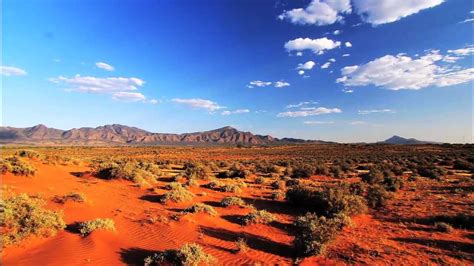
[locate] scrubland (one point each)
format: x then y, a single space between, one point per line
301 204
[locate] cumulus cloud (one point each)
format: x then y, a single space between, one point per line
368 112
318 12
326 65
199 103
375 12
379 12
307 66
281 84
259 83
301 104
128 96
336 32
120 88
11 71
404 72
99 85
301 72
238 111
104 66
317 46
348 44
318 122
309 112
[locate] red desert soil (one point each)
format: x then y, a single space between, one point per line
393 236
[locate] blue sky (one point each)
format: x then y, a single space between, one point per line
339 70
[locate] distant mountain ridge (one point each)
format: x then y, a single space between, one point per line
400 140
116 134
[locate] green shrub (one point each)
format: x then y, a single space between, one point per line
327 201
16 166
71 196
259 180
258 217
22 216
443 227
315 232
377 196
188 254
302 172
374 176
28 154
179 194
241 246
201 208
86 228
232 201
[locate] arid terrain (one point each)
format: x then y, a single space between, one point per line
310 204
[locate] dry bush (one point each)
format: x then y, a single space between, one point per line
315 232
189 254
71 196
201 208
178 194
16 166
22 216
232 201
377 196
28 154
241 246
258 217
86 228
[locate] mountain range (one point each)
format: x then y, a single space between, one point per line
124 135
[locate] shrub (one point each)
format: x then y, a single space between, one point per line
278 185
71 196
197 171
316 232
16 166
357 188
377 197
293 182
22 216
188 254
443 227
302 172
278 195
259 180
235 188
326 201
374 176
201 208
393 183
241 246
86 228
174 185
179 194
28 154
258 217
192 183
232 201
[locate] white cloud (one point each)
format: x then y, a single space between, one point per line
357 123
332 60
99 85
404 72
318 46
311 112
276 84
238 111
154 101
336 32
326 65
104 66
368 112
318 122
318 12
301 72
281 84
348 44
120 88
128 96
346 55
347 91
307 66
301 104
199 103
11 71
468 50
467 20
259 83
379 12
299 54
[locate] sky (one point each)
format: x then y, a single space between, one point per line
336 70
